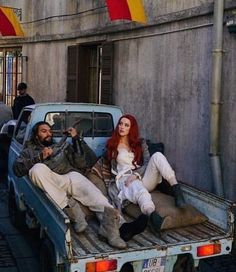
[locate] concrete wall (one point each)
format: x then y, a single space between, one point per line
170 96
162 72
46 70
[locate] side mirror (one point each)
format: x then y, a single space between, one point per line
10 130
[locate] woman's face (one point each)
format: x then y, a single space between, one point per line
124 127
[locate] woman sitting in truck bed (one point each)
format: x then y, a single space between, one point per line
136 174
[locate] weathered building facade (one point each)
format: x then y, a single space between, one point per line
160 72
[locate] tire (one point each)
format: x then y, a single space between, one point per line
185 263
127 267
48 258
17 217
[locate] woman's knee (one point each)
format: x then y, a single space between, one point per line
145 202
158 156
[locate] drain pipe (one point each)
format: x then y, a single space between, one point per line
217 55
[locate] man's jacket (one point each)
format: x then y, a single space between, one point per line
65 158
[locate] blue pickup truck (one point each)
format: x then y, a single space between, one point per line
63 250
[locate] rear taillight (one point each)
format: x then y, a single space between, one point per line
101 266
208 250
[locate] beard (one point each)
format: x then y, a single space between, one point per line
47 142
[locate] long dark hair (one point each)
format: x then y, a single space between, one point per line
35 130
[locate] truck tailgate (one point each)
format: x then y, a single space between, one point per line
88 244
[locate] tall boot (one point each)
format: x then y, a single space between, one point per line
178 195
129 230
76 215
156 221
109 227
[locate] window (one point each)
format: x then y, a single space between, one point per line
88 124
21 126
12 65
89 73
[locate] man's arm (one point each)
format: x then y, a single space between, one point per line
82 151
25 162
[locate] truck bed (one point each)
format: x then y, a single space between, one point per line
89 243
219 229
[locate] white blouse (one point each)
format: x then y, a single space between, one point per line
124 161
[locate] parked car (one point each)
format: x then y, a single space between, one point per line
5 141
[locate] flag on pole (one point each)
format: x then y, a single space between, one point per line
9 23
132 10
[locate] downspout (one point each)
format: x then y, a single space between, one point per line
217 55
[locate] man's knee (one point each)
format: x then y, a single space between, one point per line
38 169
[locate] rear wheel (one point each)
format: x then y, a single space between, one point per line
185 263
48 257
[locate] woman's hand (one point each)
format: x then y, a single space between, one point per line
130 179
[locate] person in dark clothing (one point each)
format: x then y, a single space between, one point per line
22 100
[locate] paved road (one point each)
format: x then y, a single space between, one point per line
18 251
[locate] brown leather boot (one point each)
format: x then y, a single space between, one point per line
109 227
76 215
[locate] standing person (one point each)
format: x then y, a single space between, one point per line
22 100
57 169
136 173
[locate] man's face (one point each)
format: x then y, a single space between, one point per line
22 92
44 135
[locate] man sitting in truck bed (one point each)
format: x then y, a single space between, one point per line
57 168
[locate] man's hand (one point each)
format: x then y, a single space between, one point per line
72 132
46 152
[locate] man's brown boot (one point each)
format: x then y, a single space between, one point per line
76 215
109 227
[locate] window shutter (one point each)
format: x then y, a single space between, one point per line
83 73
72 74
107 74
77 74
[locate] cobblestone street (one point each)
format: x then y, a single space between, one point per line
18 251
7 261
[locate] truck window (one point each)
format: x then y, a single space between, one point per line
21 126
89 124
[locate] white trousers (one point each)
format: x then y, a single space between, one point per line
60 187
158 167
138 191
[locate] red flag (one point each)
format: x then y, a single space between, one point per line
126 9
9 24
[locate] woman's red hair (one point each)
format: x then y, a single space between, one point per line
134 140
